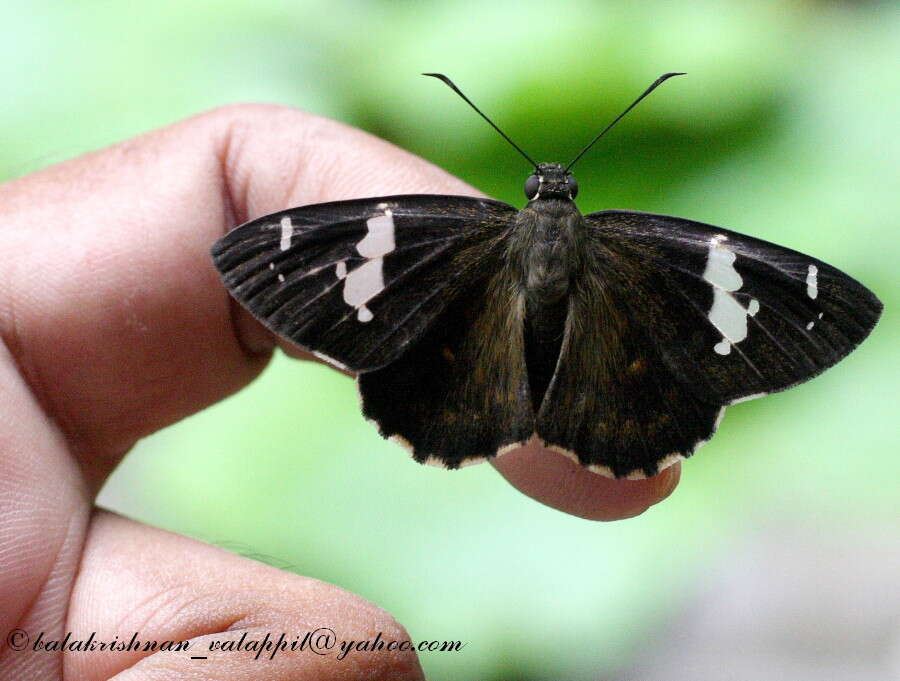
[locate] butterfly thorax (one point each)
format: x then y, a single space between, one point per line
545 242
544 248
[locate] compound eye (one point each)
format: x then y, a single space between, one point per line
573 186
532 186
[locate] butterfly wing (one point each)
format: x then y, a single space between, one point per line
357 282
460 394
743 317
671 321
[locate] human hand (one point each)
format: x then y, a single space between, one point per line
114 325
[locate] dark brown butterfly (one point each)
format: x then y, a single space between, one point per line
617 338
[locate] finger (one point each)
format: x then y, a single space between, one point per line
112 306
559 482
43 517
161 586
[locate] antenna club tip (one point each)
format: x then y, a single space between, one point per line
673 73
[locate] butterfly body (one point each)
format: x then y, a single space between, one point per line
616 338
545 249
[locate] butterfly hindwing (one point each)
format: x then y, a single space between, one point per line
460 394
733 317
613 404
358 281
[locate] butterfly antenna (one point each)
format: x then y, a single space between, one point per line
659 81
453 87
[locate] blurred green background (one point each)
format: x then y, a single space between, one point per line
785 128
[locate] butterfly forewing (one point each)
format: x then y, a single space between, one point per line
358 281
733 317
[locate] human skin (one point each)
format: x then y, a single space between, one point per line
114 324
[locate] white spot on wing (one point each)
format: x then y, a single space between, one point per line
726 313
367 280
812 281
281 278
811 324
719 266
363 284
723 347
380 239
287 231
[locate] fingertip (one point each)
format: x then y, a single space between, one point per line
255 339
666 481
563 484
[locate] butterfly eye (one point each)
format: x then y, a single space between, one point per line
532 185
573 186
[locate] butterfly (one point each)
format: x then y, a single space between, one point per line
616 338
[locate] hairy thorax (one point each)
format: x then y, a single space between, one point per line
545 247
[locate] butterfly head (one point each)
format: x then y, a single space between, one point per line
550 180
